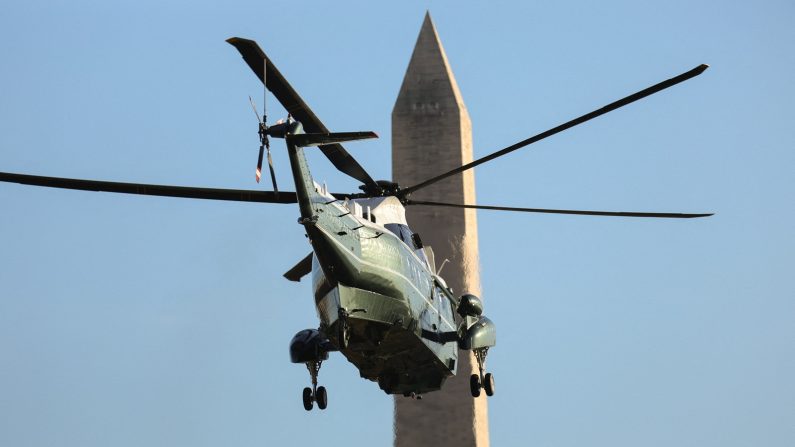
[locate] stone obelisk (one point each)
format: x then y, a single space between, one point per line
432 134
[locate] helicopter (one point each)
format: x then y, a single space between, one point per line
379 296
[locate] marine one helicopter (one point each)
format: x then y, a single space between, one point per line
378 295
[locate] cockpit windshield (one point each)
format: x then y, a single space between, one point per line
401 231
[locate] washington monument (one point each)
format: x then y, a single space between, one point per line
431 133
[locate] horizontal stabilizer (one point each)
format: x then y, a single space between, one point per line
303 268
319 139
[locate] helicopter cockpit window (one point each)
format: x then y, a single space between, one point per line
405 234
401 231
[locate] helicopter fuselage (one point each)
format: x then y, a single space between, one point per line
376 296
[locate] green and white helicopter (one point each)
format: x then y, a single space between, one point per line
378 295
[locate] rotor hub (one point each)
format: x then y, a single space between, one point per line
381 188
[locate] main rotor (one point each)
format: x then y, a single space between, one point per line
276 83
299 114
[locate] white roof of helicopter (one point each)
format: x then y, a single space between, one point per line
385 209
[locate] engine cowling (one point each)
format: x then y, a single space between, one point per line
469 306
482 334
309 345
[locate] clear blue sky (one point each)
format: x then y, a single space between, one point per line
131 321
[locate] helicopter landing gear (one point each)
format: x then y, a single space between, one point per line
311 347
316 393
474 385
488 384
478 381
308 399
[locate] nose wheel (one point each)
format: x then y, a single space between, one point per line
316 394
481 381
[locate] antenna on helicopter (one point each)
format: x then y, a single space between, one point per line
439 270
263 129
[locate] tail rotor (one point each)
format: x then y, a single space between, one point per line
264 143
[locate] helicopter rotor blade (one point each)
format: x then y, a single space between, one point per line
405 192
554 211
188 192
254 106
265 91
259 162
270 167
297 108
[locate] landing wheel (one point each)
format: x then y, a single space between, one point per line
321 397
488 384
478 381
308 399
474 385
